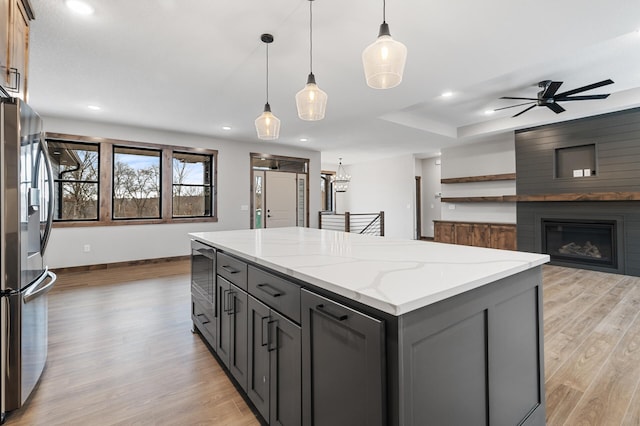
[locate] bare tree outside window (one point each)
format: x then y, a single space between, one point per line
136 183
192 184
76 180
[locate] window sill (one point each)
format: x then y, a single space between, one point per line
124 222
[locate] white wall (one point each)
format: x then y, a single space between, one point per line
487 158
134 242
387 185
431 205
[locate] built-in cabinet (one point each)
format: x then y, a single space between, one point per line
492 235
14 43
253 320
343 372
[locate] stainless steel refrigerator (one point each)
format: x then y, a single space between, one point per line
26 189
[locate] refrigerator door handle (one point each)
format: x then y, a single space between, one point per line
47 162
37 289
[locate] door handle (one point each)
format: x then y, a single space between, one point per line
322 309
36 291
270 290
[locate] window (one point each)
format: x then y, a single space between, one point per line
192 181
102 182
136 183
76 180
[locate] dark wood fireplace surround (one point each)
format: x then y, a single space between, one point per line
585 170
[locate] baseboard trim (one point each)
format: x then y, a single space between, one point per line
86 268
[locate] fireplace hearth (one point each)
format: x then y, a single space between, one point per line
580 242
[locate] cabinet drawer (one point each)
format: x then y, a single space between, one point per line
278 293
202 314
234 270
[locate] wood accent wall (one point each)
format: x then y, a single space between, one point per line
617 142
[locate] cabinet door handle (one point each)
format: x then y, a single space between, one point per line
322 309
225 300
270 290
232 302
265 334
229 269
269 335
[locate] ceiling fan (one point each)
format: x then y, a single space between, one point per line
548 97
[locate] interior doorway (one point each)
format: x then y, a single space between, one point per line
280 192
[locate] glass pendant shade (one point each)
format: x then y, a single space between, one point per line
384 60
267 125
311 101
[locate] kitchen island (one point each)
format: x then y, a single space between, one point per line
323 327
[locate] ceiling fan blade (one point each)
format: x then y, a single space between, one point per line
513 106
580 98
555 108
525 110
585 88
551 89
526 99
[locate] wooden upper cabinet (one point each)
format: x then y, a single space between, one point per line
4 41
15 46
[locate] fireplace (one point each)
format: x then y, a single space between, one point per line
580 242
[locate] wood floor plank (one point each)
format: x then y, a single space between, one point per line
608 397
121 352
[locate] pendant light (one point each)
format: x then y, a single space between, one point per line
311 101
341 179
384 59
267 125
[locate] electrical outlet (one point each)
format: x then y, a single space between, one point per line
86 248
452 206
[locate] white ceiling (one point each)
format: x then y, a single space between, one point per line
197 65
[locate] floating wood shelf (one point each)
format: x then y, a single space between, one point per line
587 196
488 199
485 178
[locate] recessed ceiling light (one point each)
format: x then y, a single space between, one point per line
447 94
80 7
94 107
304 140
489 111
226 127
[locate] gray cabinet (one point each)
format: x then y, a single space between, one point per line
232 329
275 373
343 371
203 291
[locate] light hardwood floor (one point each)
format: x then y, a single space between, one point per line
121 352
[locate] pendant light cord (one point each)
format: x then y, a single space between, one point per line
310 36
267 72
384 11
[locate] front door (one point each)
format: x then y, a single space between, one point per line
280 199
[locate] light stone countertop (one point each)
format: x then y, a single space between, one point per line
393 275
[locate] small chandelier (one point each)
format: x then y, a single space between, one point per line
267 124
384 59
341 179
311 101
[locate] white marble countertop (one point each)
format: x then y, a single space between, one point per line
393 275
